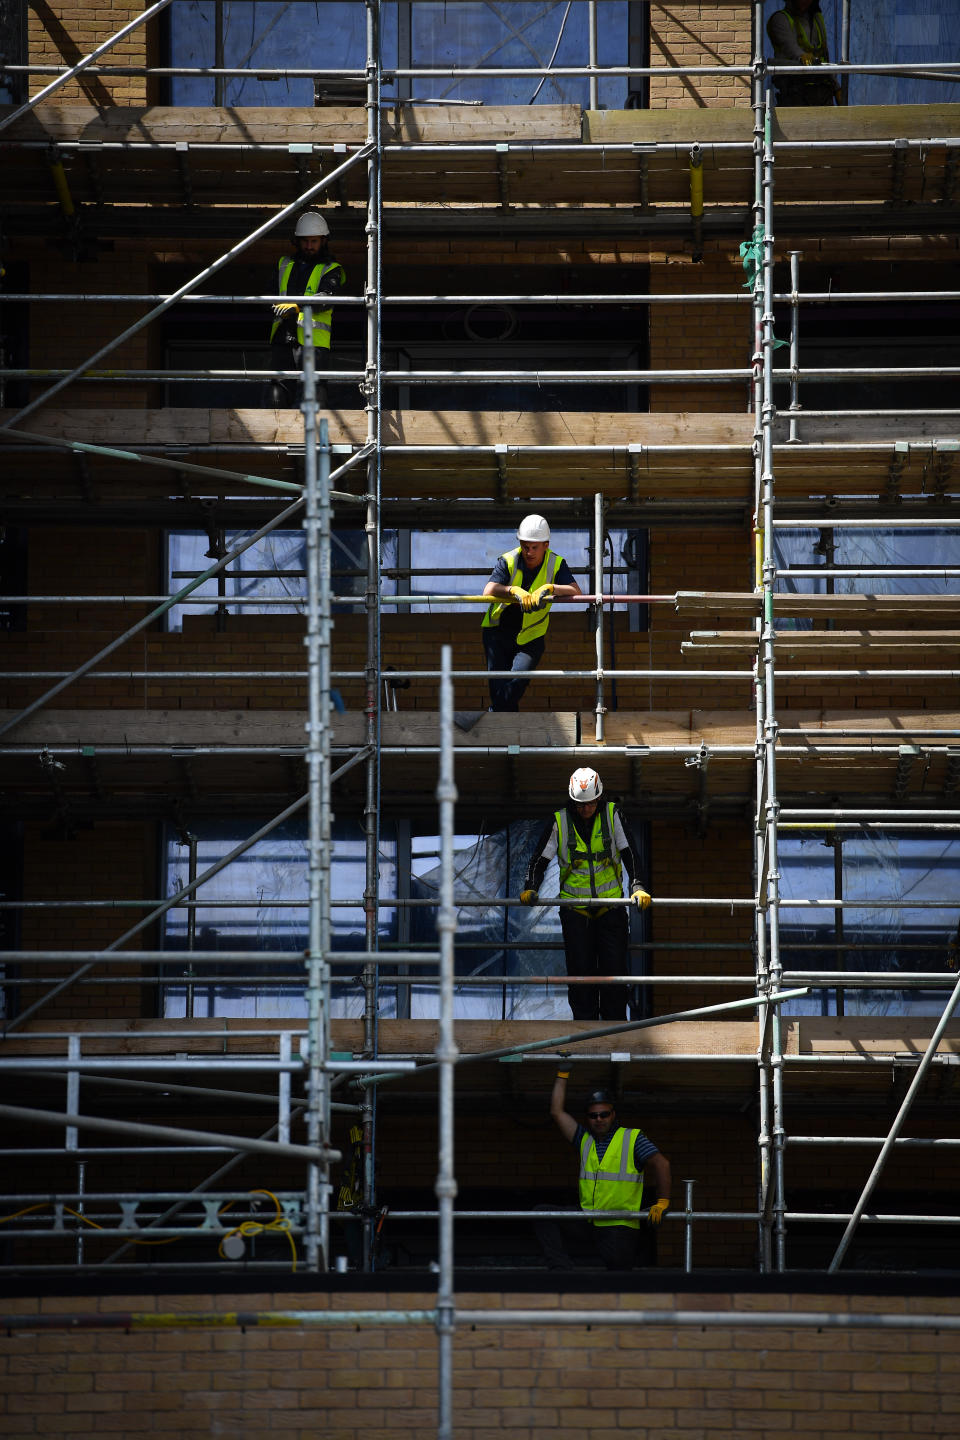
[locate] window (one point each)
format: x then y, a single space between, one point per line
258 903
277 34
887 333
478 337
909 889
867 549
301 34
270 576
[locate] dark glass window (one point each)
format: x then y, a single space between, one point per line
901 896
300 34
258 903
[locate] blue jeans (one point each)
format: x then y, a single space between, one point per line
503 653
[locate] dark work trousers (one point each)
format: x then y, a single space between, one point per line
503 653
596 944
288 394
613 1246
797 90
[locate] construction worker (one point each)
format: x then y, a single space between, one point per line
523 585
308 271
799 37
592 844
612 1165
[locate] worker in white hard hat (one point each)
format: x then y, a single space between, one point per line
592 844
308 271
524 583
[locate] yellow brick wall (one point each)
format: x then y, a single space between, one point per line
699 35
63 32
565 1381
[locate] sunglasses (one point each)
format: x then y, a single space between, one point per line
600 1115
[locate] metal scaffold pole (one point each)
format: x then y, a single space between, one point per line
317 533
372 403
447 1053
768 894
764 1081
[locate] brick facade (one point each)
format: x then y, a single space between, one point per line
529 1382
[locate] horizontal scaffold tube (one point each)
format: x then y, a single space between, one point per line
493 377
501 1317
804 297
684 676
244 1143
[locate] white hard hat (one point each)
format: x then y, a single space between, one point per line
533 527
585 785
310 223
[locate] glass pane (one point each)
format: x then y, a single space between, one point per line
910 889
866 549
258 902
471 555
268 33
272 571
260 34
489 36
490 939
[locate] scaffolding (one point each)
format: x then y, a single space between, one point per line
780 458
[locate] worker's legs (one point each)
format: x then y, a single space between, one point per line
611 937
321 359
288 394
616 1245
279 394
796 90
503 653
579 943
552 1237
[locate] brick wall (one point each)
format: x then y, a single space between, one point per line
64 336
700 337
111 861
62 32
568 1382
699 35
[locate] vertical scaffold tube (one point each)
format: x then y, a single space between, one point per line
771 881
598 609
446 1052
765 1168
794 342
317 527
372 401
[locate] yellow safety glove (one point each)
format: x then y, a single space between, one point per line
528 897
640 898
542 592
287 307
658 1211
519 596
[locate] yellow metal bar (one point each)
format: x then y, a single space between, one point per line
62 188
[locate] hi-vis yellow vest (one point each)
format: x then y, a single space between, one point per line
591 872
814 41
322 319
535 622
613 1183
